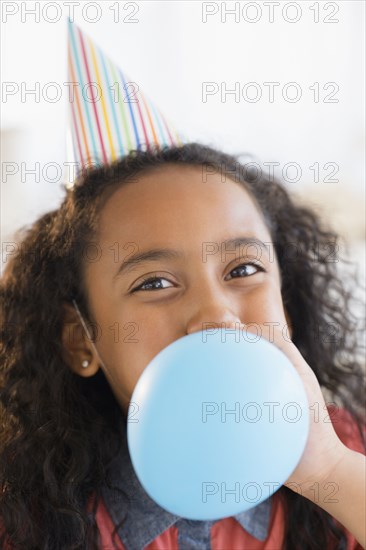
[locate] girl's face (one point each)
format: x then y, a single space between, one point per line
178 222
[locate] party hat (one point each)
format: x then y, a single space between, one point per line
109 115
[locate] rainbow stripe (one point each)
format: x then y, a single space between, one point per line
109 114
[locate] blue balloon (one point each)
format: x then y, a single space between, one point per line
219 423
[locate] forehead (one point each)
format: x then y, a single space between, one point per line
178 204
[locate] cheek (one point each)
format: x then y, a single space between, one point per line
264 306
130 342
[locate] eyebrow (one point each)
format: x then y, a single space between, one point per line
158 254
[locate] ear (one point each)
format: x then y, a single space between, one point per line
288 321
76 344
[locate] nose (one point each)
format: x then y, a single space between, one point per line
213 315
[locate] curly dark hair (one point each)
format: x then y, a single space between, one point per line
59 431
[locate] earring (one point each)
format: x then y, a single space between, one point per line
85 364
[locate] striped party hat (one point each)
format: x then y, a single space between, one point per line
108 113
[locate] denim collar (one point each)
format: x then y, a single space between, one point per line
145 519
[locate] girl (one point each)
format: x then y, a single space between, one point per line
122 258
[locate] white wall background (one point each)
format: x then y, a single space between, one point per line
170 52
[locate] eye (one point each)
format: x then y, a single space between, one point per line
247 270
152 283
242 270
